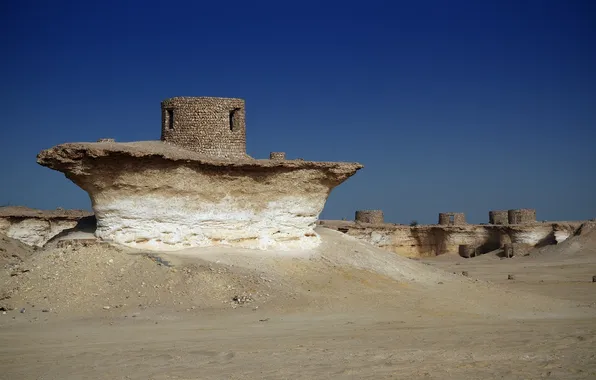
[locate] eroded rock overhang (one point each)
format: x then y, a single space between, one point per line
154 195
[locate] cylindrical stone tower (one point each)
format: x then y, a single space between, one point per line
498 217
452 218
277 155
369 216
211 126
515 249
522 216
467 251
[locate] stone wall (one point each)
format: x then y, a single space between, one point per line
452 218
498 217
515 249
212 126
277 155
522 216
369 216
467 250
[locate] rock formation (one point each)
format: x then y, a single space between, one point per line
37 227
432 240
159 195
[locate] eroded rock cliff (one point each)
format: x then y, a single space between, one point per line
432 240
37 227
157 196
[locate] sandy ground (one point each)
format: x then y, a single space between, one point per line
345 310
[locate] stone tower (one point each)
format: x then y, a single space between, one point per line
369 216
214 127
452 218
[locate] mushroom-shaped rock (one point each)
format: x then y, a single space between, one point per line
155 195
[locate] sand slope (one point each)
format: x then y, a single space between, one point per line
345 310
342 274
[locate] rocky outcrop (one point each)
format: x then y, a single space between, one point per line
36 227
157 196
432 240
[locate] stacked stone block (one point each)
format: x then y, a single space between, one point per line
211 126
369 216
467 251
452 218
277 155
522 216
498 217
515 249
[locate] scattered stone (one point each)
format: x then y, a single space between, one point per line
510 277
593 278
465 273
45 310
242 299
440 282
263 320
22 311
106 308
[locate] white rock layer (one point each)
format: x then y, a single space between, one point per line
33 231
155 196
171 223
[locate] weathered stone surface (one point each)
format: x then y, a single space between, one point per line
36 227
432 240
452 218
207 125
369 216
155 195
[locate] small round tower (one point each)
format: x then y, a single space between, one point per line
452 218
369 216
522 216
277 155
214 127
498 217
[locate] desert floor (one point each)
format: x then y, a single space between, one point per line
343 312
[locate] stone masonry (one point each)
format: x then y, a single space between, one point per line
277 155
515 249
452 218
498 217
369 216
214 127
522 216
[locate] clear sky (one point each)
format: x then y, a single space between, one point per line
451 105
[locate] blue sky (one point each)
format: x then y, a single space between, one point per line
451 105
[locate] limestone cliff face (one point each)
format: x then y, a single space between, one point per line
432 240
37 227
156 196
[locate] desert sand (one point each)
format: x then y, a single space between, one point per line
344 310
